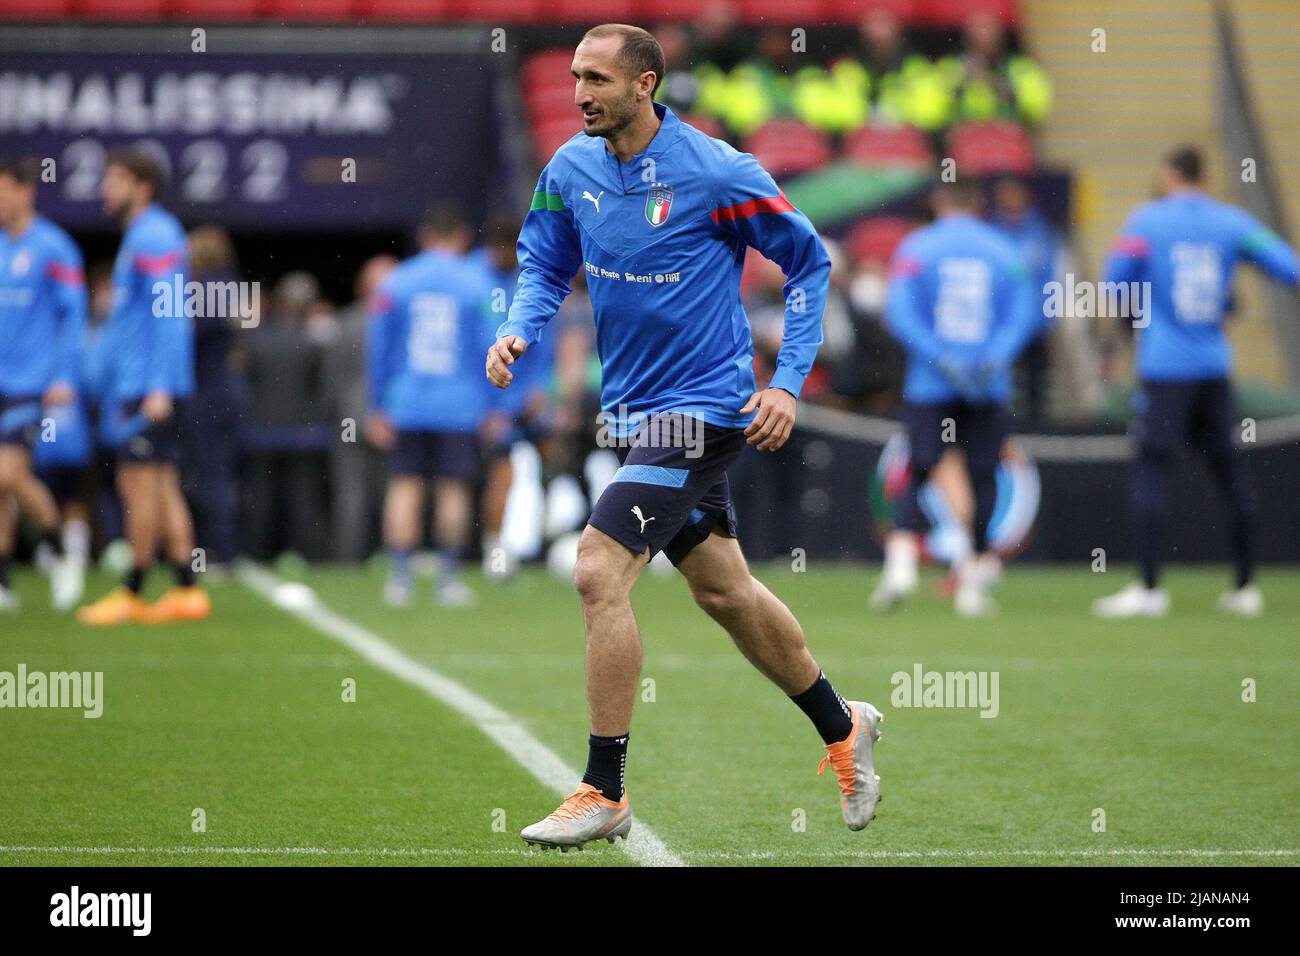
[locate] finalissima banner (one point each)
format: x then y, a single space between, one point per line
261 140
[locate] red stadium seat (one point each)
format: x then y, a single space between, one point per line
407 10
880 145
671 11
875 239
548 68
706 125
308 9
552 134
216 9
496 11
996 146
118 9
587 13
786 146
34 9
551 102
945 13
852 11
782 11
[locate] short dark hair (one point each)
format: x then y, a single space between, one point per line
22 169
444 219
1187 162
140 163
961 193
640 52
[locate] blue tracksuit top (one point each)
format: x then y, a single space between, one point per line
1187 246
662 241
959 290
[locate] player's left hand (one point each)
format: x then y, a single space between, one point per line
157 406
772 425
59 393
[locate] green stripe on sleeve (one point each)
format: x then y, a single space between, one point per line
544 200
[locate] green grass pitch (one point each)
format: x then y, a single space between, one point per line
243 717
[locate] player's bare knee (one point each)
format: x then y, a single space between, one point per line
725 599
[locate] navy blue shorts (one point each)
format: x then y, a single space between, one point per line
20 420
978 429
139 441
1173 415
663 499
434 454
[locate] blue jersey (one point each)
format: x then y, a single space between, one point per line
1039 247
533 370
431 324
42 309
148 338
662 241
960 296
1186 246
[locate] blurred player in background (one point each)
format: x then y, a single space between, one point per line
673 352
430 321
961 303
521 406
1186 245
149 348
42 314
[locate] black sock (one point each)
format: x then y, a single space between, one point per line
4 571
606 757
54 538
184 574
134 580
826 709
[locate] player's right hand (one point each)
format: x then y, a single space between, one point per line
503 353
380 431
157 406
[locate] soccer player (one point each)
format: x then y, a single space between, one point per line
149 345
431 319
1186 245
961 303
521 407
659 216
42 314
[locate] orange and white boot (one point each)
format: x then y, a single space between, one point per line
180 604
851 758
119 606
585 815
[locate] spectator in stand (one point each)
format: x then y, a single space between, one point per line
992 82
209 440
680 87
905 87
284 375
356 472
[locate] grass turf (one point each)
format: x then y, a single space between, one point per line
242 716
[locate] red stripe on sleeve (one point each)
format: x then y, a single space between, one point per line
751 208
904 266
65 273
155 265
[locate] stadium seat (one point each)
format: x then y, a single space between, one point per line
499 11
409 10
118 9
216 9
671 11
581 11
552 134
945 13
34 9
996 146
786 146
769 12
706 125
551 102
851 12
875 239
308 9
881 145
548 68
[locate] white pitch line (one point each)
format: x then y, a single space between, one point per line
643 846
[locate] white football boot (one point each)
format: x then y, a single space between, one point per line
851 759
9 600
67 582
454 592
584 816
899 577
1245 602
1135 600
397 592
975 579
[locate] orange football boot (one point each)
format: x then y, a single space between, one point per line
119 606
180 604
